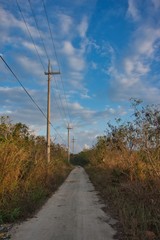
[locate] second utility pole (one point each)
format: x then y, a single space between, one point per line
49 73
69 128
73 141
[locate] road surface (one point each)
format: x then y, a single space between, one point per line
74 212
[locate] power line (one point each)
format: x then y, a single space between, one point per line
60 99
36 22
22 86
45 10
65 98
45 50
19 8
64 141
55 53
28 94
35 44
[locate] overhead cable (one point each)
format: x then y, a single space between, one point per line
55 53
28 94
19 8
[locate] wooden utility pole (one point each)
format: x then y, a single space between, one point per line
73 141
69 128
49 73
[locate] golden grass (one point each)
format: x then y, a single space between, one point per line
26 180
132 193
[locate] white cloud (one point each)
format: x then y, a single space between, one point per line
30 65
111 110
33 47
141 68
129 66
5 112
147 40
134 66
72 47
68 48
83 26
66 23
76 106
93 65
86 146
92 44
133 10
75 57
89 135
8 21
85 95
76 63
130 73
11 101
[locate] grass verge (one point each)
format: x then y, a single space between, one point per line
135 204
28 196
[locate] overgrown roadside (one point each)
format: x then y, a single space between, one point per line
124 165
26 180
30 196
25 200
134 205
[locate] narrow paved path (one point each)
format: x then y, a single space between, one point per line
72 213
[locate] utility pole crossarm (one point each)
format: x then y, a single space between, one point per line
52 73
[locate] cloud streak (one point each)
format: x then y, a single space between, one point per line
132 78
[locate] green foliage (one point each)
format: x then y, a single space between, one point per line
81 159
10 214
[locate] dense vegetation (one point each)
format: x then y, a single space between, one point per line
80 159
124 165
26 180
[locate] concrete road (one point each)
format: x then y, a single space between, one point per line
74 212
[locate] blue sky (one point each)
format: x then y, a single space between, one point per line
108 52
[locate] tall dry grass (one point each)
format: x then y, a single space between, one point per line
26 180
125 167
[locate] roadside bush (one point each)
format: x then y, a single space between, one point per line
26 180
125 168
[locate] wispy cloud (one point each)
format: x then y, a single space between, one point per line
73 48
133 11
8 21
82 27
131 78
146 39
33 47
30 65
75 57
66 23
86 116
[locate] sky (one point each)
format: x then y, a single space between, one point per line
107 51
